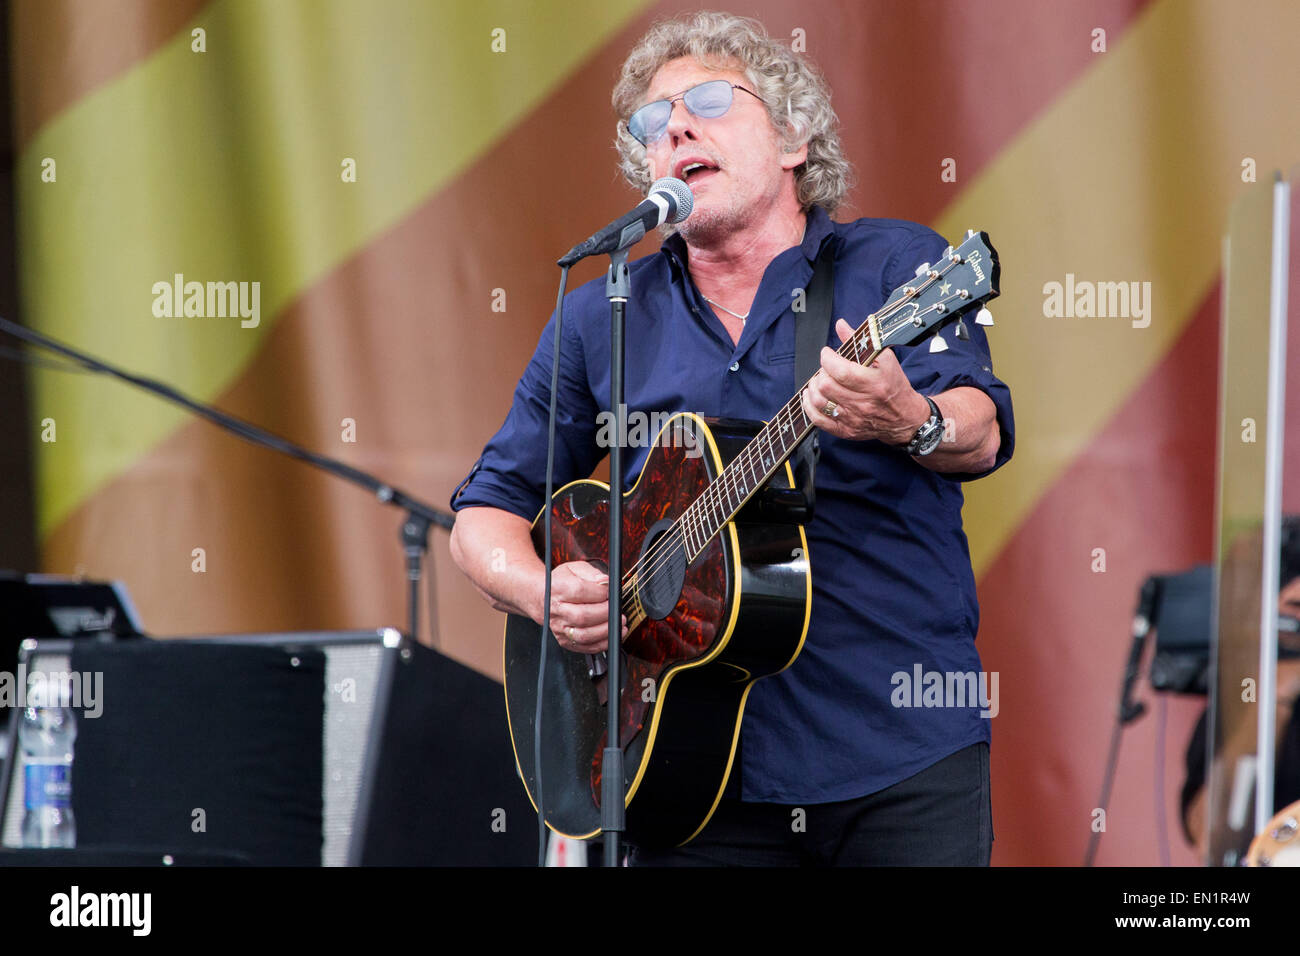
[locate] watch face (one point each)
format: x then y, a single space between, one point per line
928 439
930 433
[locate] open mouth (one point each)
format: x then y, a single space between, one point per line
694 172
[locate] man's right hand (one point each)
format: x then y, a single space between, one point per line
495 550
580 607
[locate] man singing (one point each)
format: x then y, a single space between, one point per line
748 124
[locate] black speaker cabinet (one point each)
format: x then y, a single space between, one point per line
286 749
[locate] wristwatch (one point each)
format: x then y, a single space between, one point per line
930 433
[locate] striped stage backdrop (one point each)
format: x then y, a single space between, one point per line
377 192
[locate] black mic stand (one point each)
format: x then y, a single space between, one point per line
674 204
1129 709
419 516
612 795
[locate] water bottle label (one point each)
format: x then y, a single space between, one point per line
48 784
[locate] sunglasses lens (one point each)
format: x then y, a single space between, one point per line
649 122
709 100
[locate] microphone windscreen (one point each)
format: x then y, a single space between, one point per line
683 200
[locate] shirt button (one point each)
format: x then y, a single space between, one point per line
735 366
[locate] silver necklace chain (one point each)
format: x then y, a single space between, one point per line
725 309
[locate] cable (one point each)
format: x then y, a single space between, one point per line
549 510
1162 823
431 593
1091 856
18 355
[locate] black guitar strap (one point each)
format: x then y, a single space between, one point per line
811 332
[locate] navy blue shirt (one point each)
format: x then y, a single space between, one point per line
893 590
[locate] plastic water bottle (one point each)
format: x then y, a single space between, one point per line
45 737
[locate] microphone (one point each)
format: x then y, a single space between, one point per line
669 200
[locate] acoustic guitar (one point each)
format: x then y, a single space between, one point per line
717 594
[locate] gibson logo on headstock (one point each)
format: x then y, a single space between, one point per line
974 260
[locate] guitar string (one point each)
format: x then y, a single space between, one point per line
648 566
660 554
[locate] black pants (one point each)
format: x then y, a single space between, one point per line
941 816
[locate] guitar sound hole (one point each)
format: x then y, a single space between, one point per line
663 572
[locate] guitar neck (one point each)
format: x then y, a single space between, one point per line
938 295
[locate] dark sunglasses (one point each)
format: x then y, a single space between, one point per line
708 100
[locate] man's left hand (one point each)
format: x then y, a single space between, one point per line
860 402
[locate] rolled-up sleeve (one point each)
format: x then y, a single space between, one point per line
511 472
965 362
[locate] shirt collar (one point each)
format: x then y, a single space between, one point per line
815 233
818 227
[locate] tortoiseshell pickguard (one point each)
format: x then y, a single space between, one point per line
669 483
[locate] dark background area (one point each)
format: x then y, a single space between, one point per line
17 531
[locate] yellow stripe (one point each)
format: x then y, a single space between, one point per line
225 166
1128 176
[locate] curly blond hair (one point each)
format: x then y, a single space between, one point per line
796 96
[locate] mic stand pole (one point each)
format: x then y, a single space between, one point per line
612 795
415 545
419 516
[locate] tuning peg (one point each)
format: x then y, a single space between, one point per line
970 233
937 344
985 317
962 332
922 269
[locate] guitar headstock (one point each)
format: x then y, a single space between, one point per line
942 292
